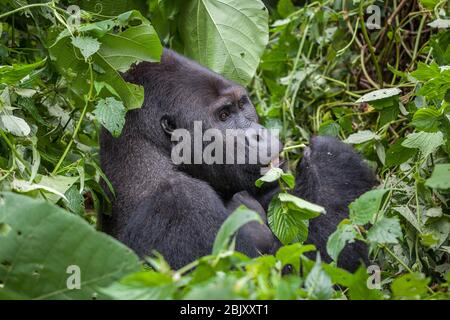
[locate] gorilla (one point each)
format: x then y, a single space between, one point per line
177 209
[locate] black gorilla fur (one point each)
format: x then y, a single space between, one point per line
177 210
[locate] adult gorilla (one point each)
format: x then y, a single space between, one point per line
178 209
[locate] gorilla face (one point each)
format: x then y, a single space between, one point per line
227 146
245 147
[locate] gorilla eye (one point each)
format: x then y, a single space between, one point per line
242 102
224 114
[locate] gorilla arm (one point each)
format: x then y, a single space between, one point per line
333 175
181 219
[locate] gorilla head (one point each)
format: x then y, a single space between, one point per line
182 98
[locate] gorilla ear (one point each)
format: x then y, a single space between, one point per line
167 124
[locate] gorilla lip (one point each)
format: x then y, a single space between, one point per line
274 163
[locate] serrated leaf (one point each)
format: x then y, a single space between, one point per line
379 95
440 178
111 114
426 142
386 230
318 284
290 255
363 209
345 233
87 45
235 34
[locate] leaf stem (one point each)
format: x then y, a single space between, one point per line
77 128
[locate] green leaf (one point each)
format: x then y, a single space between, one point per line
272 175
137 43
14 125
303 208
410 286
87 45
227 231
16 72
440 178
426 142
379 95
345 233
366 206
227 36
111 114
318 283
398 154
143 285
44 241
290 255
386 230
427 119
361 136
289 179
288 216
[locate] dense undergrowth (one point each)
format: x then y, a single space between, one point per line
326 68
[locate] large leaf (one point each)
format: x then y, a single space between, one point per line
116 54
227 36
44 241
440 179
237 219
366 206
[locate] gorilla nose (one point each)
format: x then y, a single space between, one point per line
267 142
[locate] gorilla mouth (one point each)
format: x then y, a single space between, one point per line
274 163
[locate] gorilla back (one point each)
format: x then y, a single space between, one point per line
178 209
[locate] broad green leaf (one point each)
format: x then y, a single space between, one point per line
426 142
16 72
429 4
87 45
363 209
227 36
385 230
410 286
318 284
440 178
289 179
290 255
44 242
111 114
379 95
227 231
117 52
272 175
398 154
361 136
143 285
427 119
281 222
345 233
139 42
288 217
305 209
14 125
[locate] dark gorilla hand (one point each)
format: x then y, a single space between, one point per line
332 174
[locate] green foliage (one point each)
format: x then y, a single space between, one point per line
313 69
